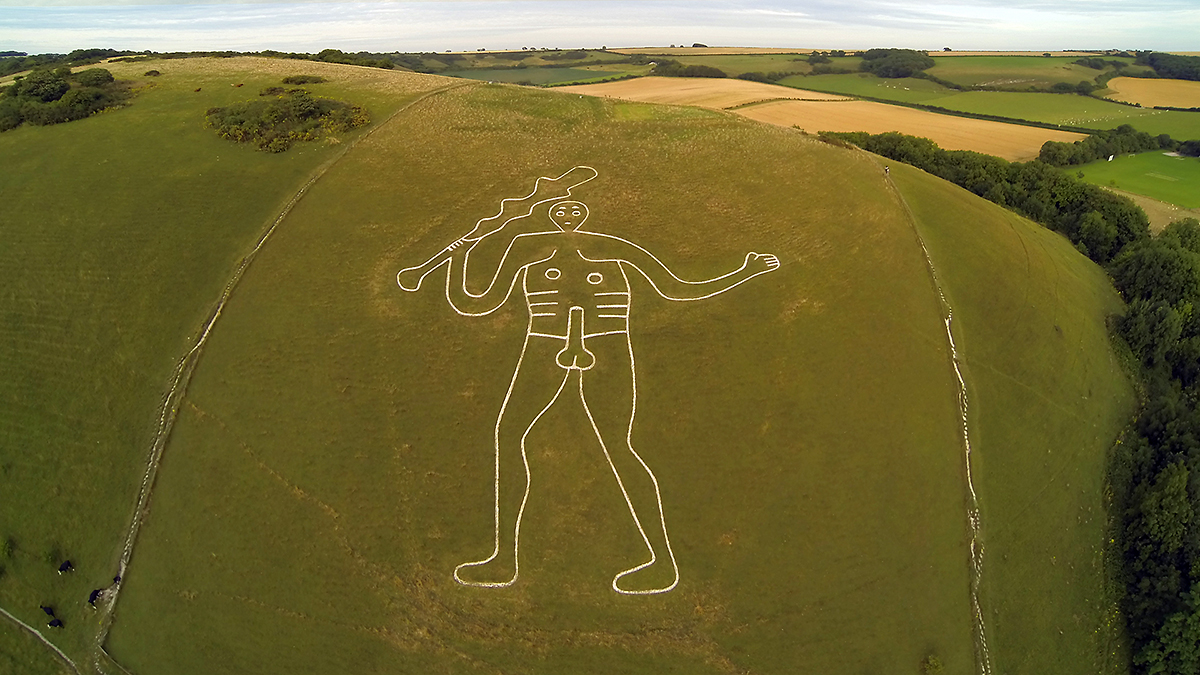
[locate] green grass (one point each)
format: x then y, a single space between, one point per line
736 64
1175 180
1047 401
23 653
120 232
1012 72
907 90
1066 109
333 462
535 75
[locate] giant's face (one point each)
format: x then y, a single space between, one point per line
568 216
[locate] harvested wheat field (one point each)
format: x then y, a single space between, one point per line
706 92
1010 141
1150 93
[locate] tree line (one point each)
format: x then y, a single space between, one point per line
1154 473
1104 144
1097 221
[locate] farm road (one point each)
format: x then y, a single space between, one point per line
182 376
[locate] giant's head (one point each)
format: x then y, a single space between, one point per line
568 215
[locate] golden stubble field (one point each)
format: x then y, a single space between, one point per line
1149 93
1010 141
814 112
705 92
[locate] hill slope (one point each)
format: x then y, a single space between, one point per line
332 461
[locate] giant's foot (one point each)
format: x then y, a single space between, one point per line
495 572
656 576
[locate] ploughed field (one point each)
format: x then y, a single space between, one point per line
332 460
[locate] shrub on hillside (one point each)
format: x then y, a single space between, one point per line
895 62
54 96
303 79
274 124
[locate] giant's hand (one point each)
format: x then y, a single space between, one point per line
759 263
410 278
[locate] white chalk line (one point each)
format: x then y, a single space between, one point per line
39 636
442 256
490 300
974 516
185 365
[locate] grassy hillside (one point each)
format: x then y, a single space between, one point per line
1048 400
333 463
120 232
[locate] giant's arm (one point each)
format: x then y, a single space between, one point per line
665 281
522 252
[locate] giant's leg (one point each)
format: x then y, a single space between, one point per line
535 386
609 395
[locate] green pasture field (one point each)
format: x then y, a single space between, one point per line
907 89
1013 72
542 76
333 462
1175 180
736 64
485 60
22 653
1066 109
1047 401
120 232
1180 125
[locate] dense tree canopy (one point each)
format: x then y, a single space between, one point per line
895 62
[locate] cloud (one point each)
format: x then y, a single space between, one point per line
437 25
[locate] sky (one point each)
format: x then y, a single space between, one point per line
40 26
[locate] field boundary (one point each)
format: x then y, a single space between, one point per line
186 366
974 516
37 633
959 113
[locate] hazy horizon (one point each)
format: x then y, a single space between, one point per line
466 25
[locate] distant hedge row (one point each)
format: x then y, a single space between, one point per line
273 122
55 96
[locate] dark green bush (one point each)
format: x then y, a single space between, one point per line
273 124
303 79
